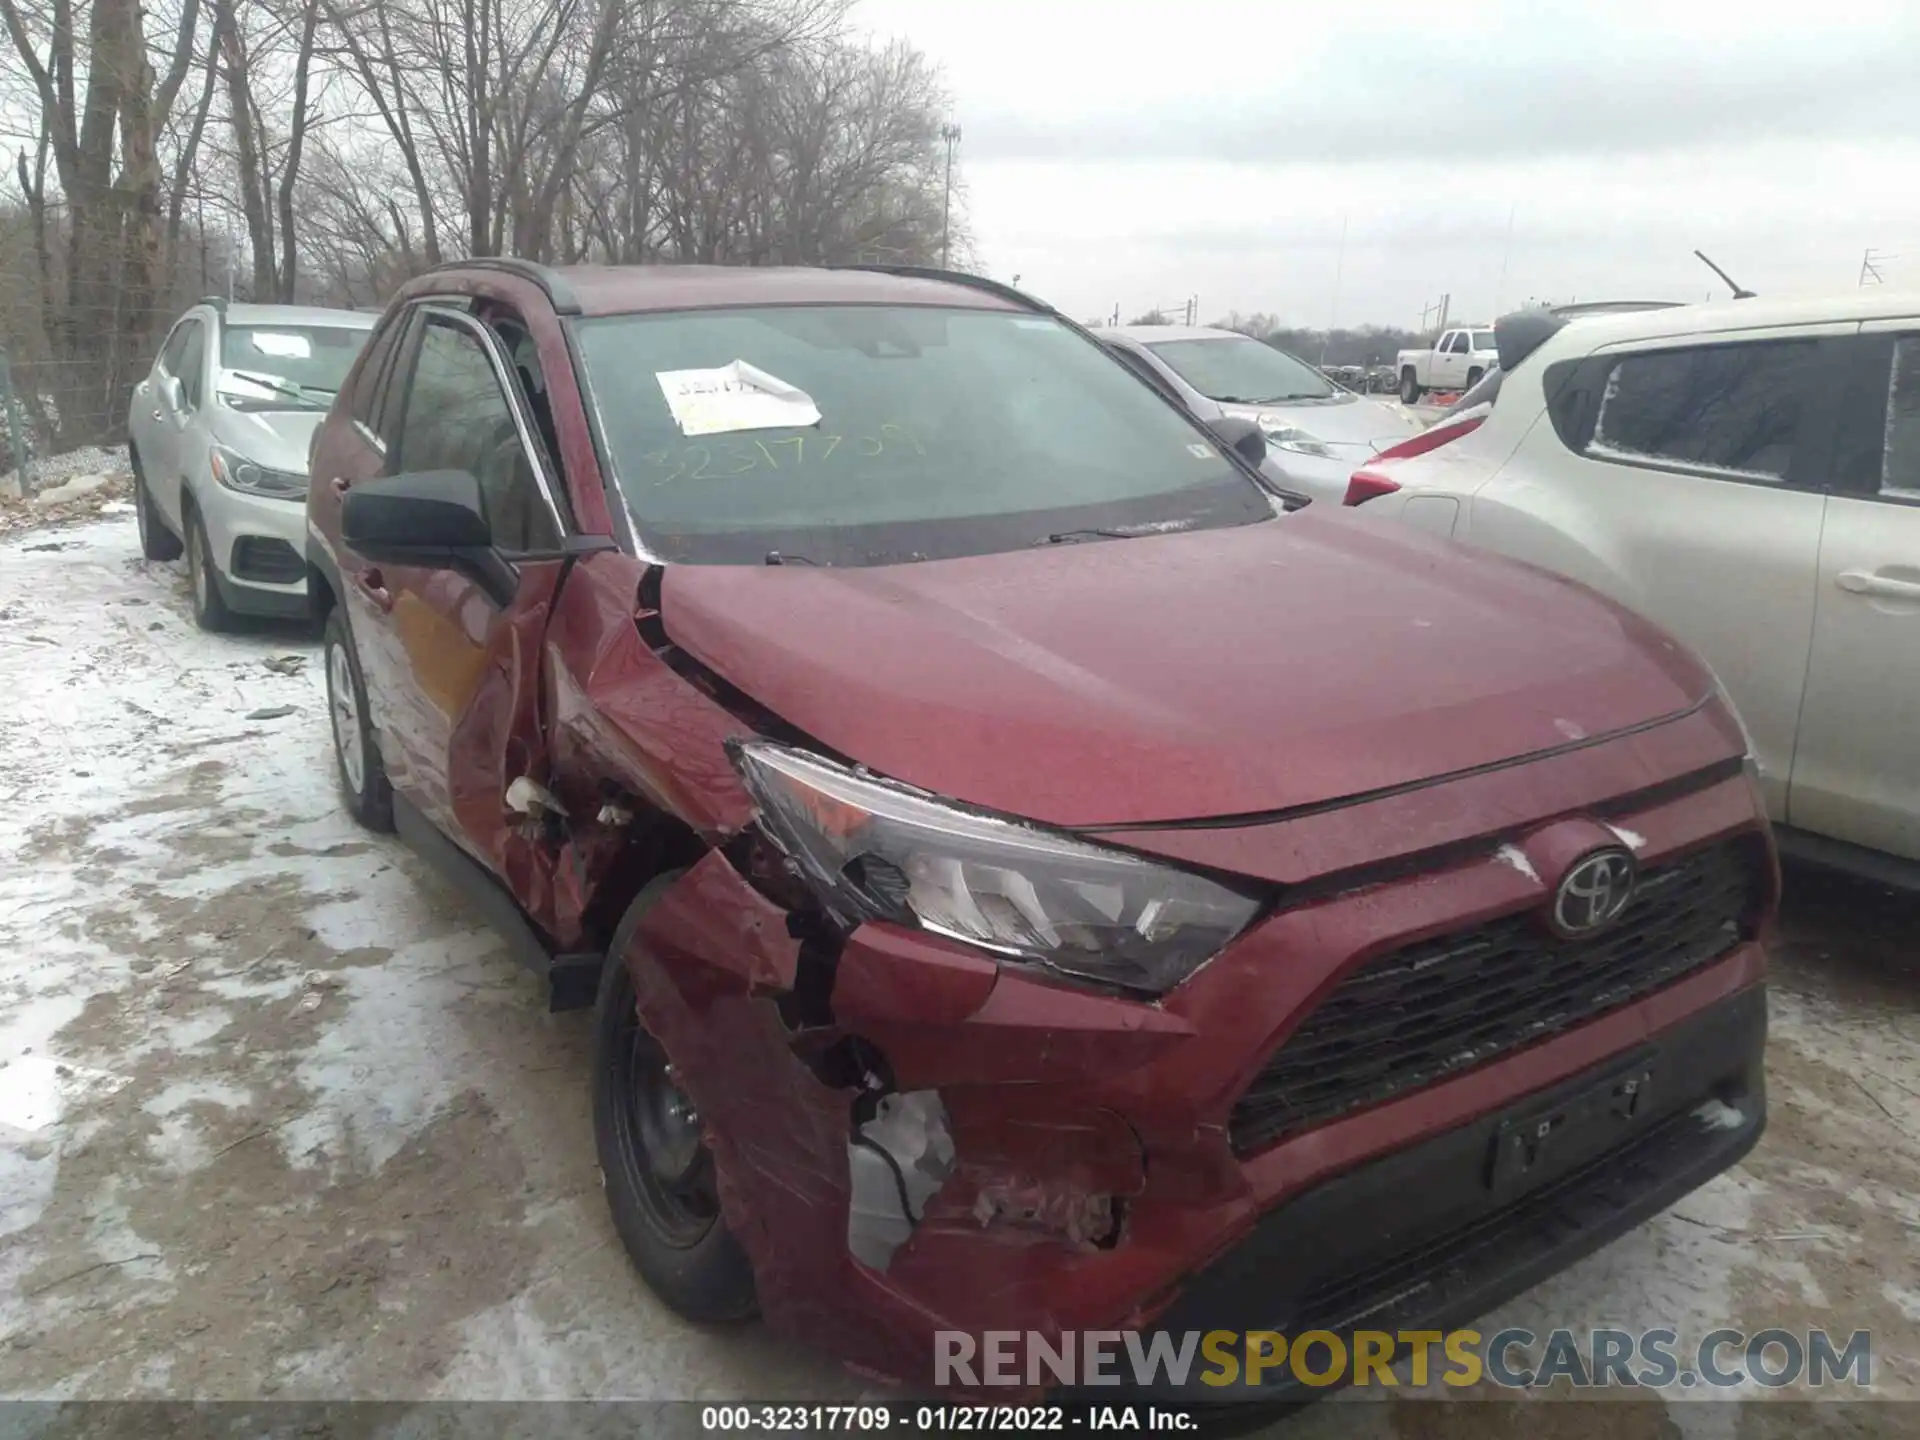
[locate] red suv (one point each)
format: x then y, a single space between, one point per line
1030 876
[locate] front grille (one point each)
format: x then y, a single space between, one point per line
1417 1014
269 561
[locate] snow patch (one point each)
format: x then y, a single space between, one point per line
72 489
1718 1115
36 1089
1514 856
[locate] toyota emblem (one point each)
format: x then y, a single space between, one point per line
1593 893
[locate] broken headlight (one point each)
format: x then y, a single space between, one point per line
875 850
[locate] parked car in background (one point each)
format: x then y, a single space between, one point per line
1746 474
1316 430
1007 896
1456 362
217 435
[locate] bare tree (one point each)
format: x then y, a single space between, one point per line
99 114
352 143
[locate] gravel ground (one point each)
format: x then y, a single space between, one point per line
277 1119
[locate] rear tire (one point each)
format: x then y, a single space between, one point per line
210 610
363 779
157 542
656 1167
1473 377
1410 388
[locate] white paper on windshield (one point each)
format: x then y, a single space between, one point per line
734 397
287 347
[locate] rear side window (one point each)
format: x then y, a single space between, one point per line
1731 410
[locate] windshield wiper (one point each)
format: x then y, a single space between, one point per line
781 557
1279 399
292 389
1068 537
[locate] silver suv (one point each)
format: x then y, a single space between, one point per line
217 433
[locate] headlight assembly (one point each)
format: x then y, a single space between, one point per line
872 849
236 472
1282 436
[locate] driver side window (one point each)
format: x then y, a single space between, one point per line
458 417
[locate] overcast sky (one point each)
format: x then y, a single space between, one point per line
1136 154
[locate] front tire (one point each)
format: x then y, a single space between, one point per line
363 779
210 610
157 542
1410 388
658 1172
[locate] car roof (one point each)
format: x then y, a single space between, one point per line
1148 333
248 314
1718 317
632 289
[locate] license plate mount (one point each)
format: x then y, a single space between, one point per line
1554 1135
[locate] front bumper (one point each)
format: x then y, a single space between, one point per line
1433 1236
1096 1186
258 547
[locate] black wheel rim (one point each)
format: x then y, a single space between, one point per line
657 1136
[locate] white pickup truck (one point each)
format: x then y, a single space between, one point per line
1457 361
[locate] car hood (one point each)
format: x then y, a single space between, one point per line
277 439
1351 425
1226 672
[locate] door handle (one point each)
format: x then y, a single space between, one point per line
1858 582
375 591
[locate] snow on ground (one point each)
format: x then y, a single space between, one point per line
277 1119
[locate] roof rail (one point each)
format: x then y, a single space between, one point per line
958 277
1614 307
218 302
559 294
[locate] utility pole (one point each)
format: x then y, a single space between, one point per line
1506 253
1870 266
1339 268
950 134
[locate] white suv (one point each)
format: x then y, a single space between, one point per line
217 434
1747 475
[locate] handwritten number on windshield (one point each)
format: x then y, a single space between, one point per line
727 459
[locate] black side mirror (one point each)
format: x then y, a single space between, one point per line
425 519
1241 436
433 519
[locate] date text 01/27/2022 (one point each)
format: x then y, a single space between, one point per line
943 1419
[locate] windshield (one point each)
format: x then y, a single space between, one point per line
1240 371
1483 340
286 367
848 435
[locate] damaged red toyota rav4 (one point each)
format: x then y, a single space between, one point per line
1029 875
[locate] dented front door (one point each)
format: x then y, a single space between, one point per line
451 657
